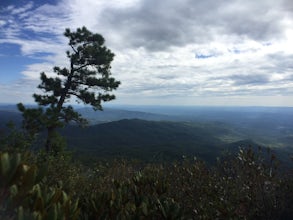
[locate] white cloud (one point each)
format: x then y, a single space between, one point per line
179 50
20 10
2 22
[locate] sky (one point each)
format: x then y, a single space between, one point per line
167 52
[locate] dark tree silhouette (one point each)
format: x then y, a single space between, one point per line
87 79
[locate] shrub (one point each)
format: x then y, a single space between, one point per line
248 185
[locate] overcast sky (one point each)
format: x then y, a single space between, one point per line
167 52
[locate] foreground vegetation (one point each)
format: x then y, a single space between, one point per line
247 185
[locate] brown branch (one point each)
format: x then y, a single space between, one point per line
81 67
73 48
75 94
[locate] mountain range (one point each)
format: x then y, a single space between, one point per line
163 134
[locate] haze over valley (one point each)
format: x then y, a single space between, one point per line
155 133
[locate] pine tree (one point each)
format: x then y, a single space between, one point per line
87 79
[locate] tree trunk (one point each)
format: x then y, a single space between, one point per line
51 129
65 90
50 136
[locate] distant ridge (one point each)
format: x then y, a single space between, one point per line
109 114
9 115
10 112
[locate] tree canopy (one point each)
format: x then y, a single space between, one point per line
87 80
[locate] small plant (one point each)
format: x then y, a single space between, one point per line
24 194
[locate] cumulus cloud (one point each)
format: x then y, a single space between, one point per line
239 79
158 25
177 49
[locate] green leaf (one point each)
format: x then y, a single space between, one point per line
52 213
39 205
4 164
29 177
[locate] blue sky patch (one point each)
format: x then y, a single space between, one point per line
203 56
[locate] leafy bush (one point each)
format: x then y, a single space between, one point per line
25 195
248 185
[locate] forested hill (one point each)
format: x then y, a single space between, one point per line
110 114
140 139
159 134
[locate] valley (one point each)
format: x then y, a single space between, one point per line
168 133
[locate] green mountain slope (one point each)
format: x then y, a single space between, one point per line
149 140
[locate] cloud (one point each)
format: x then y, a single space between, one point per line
159 25
177 49
251 79
18 91
20 10
2 22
